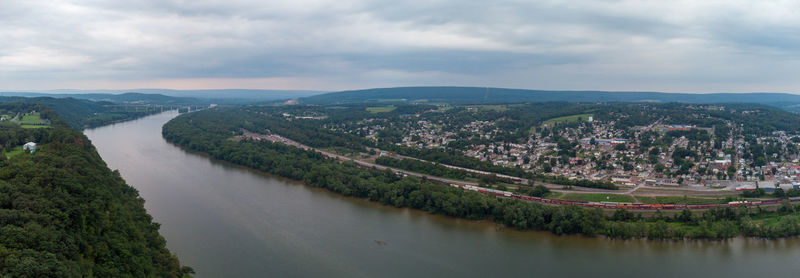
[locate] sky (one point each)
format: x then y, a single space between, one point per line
673 46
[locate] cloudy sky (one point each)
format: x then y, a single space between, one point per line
677 46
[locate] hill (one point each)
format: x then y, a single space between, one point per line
81 113
138 98
64 213
232 96
480 95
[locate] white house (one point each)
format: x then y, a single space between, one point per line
30 146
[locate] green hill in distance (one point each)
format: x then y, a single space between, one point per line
483 95
221 96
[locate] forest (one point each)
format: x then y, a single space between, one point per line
484 95
63 213
79 113
210 132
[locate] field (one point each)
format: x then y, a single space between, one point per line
598 198
392 100
16 151
381 109
679 200
443 108
32 121
34 126
498 108
32 118
568 119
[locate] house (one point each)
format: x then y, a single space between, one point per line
30 146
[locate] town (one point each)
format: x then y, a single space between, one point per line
665 151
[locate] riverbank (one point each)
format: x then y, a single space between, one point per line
209 131
66 214
234 222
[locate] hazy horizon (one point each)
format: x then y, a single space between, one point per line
155 90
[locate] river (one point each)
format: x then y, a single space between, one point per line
228 221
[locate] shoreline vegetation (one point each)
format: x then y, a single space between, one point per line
64 213
209 132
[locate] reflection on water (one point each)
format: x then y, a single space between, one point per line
227 221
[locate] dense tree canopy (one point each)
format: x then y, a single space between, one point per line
63 213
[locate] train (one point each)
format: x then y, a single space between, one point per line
617 205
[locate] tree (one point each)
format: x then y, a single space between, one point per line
659 168
731 170
540 191
779 193
684 216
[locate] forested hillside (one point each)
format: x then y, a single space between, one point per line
483 95
84 113
63 213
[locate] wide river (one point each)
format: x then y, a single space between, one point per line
227 221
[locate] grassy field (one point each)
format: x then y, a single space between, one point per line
16 151
554 195
443 108
392 100
498 108
679 200
32 121
568 119
598 197
34 126
32 118
381 109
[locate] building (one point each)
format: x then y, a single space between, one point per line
603 141
680 127
30 146
722 163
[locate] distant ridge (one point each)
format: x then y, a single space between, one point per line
115 98
483 95
215 95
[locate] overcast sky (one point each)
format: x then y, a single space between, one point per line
677 46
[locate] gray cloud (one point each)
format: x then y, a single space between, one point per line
690 46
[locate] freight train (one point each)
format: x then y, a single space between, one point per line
617 205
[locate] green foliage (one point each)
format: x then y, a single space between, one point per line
423 167
381 109
758 192
77 113
63 213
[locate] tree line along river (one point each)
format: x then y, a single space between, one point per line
228 221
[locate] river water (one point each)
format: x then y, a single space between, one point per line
227 221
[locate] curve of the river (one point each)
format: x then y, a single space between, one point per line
227 221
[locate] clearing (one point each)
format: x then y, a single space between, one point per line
598 197
568 119
381 109
33 120
14 152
